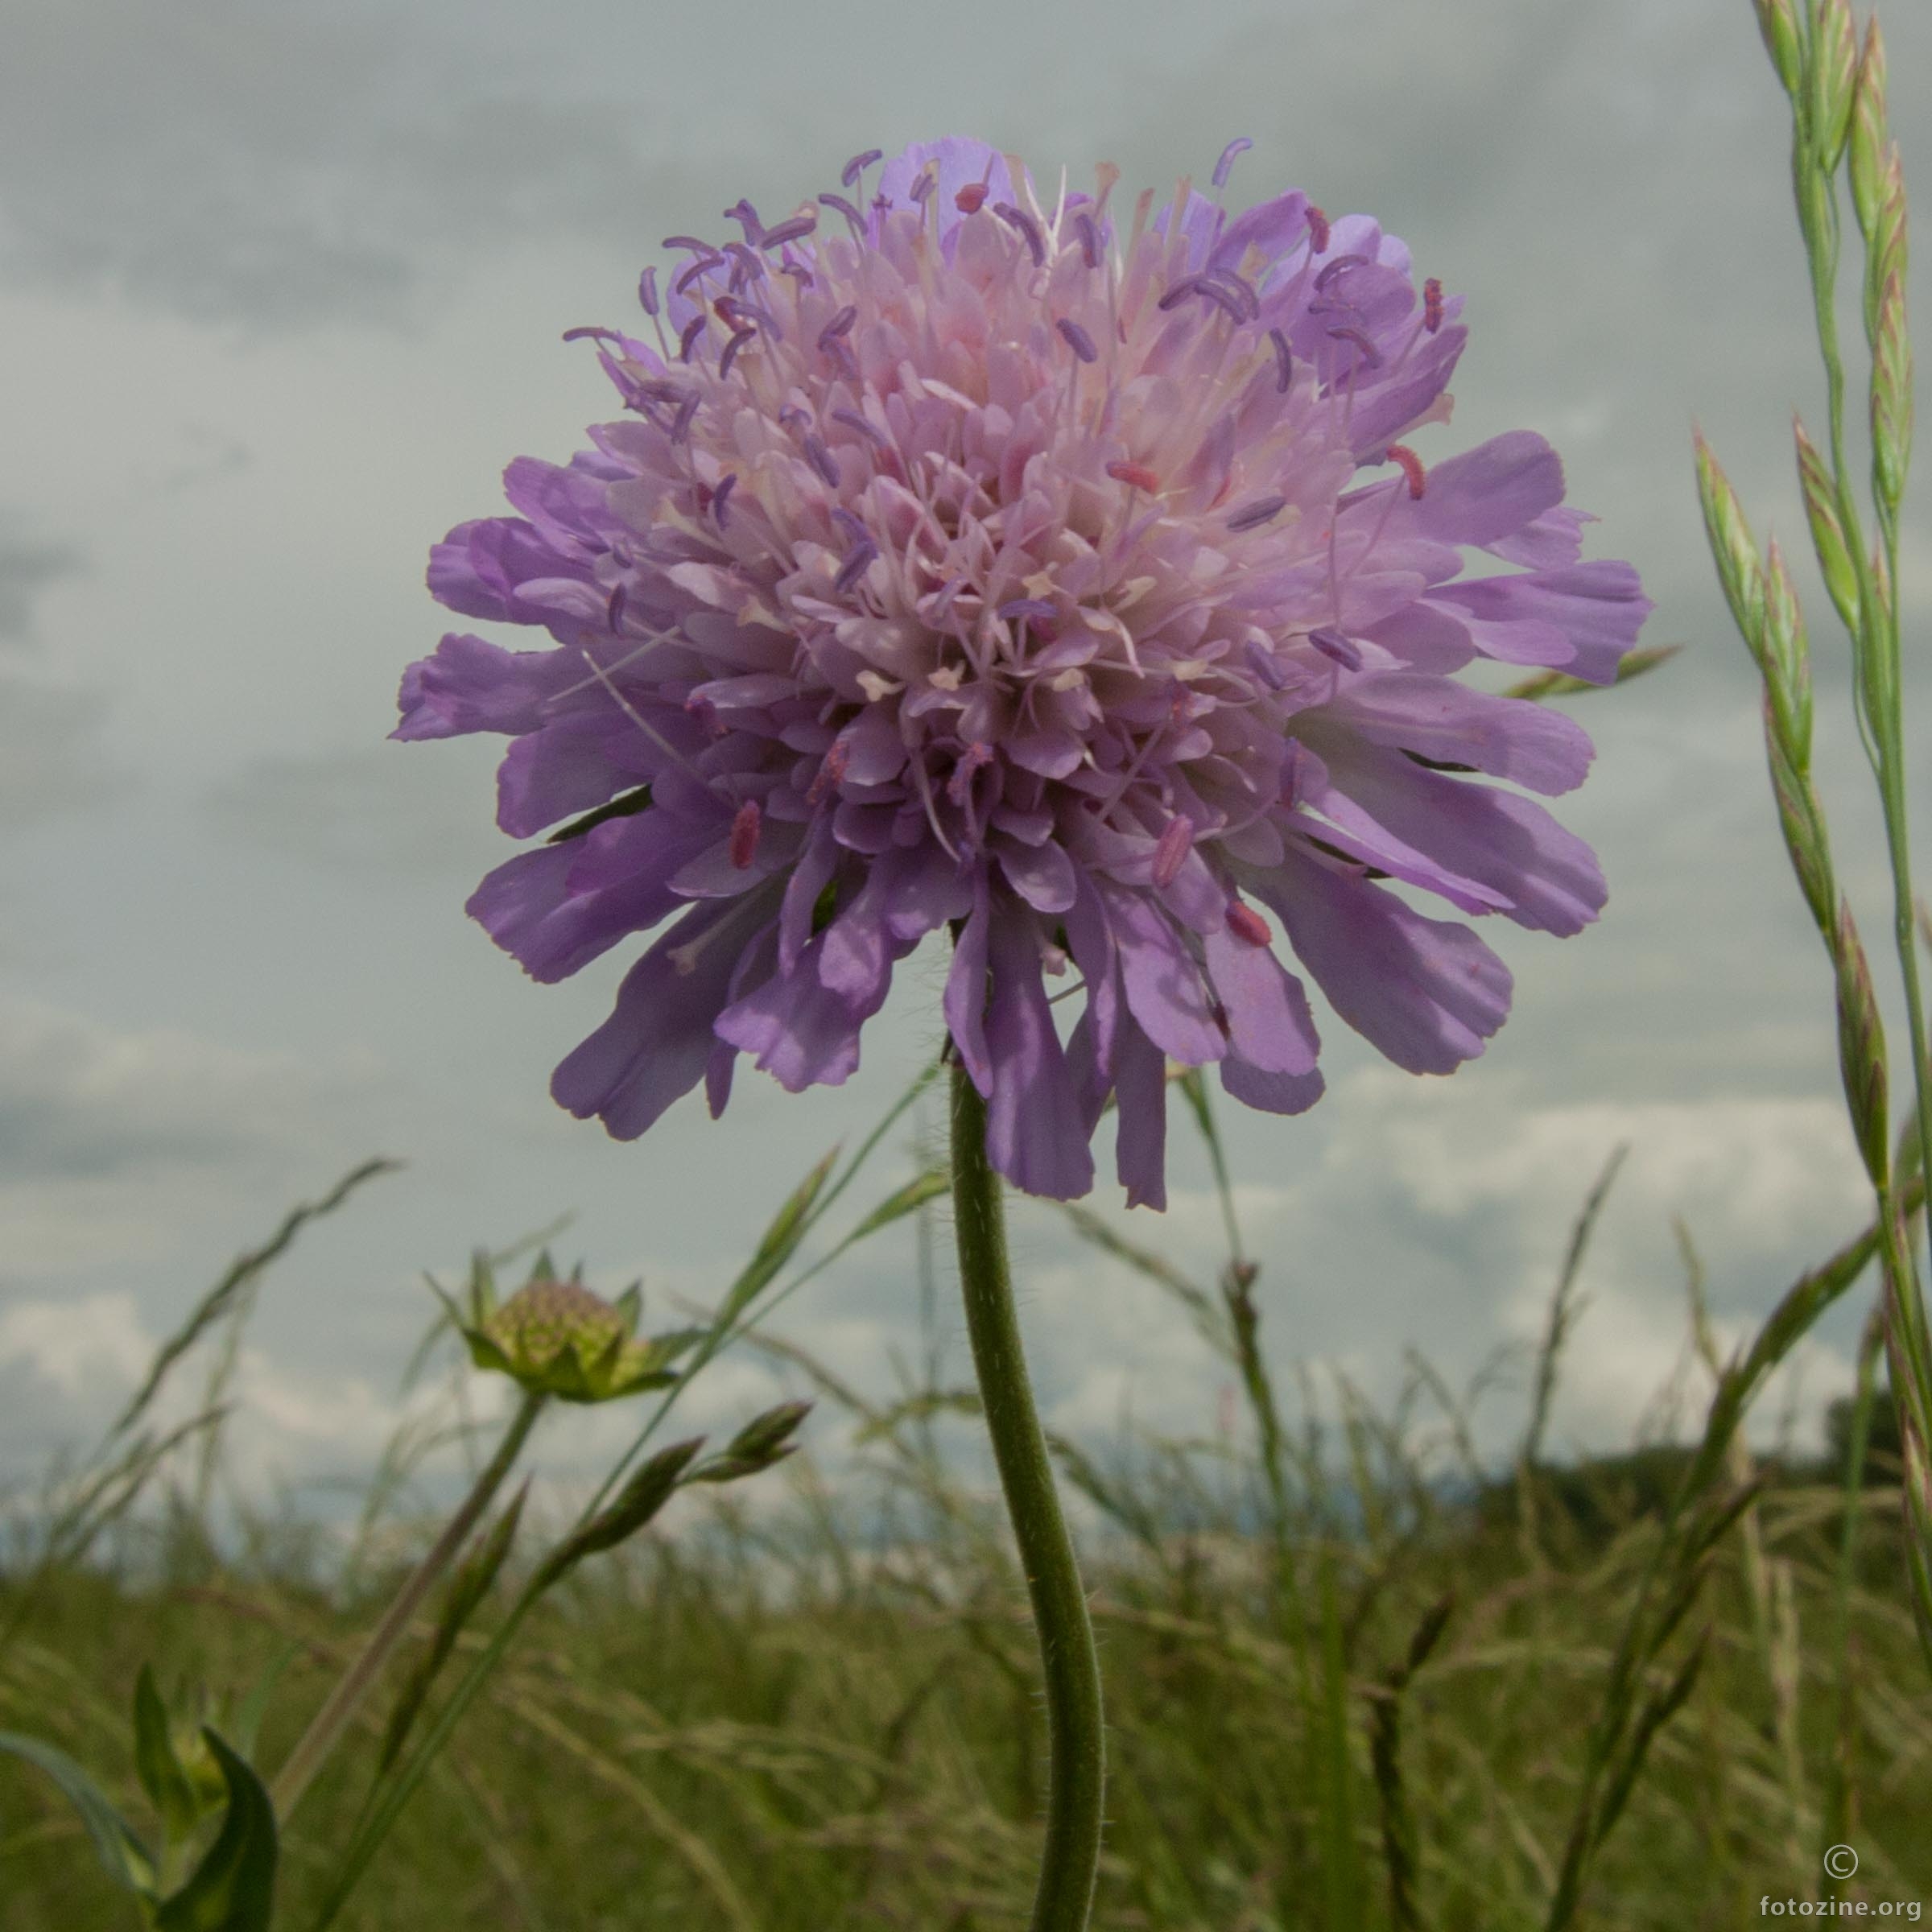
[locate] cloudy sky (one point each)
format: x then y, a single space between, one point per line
282 288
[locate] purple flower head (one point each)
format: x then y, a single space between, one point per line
1134 668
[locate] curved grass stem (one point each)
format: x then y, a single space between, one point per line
326 1728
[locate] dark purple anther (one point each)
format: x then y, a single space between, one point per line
740 337
680 423
1178 294
647 290
747 216
1077 339
1261 661
798 272
1361 341
763 317
602 335
928 180
1232 284
689 241
1335 647
795 230
1330 270
1024 607
1089 231
848 176
856 532
1284 362
692 330
613 609
857 562
721 495
823 461
1239 146
1225 299
745 267
698 268
853 218
853 419
839 325
1016 217
1263 509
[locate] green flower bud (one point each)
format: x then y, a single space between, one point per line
1778 21
1827 533
1797 816
559 1338
1739 568
202 1767
1788 652
1891 395
1861 1049
1867 145
757 1445
1887 248
1833 76
646 1492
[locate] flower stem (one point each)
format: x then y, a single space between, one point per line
1076 1733
326 1728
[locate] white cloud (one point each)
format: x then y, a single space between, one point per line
92 1347
1436 1214
82 1358
80 1100
118 1147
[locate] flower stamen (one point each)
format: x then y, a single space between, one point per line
1224 166
1246 923
1171 850
1410 464
745 825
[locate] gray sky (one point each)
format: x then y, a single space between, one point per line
282 290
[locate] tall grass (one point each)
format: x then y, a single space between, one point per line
1356 1679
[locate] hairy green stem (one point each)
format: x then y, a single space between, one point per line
1070 1663
326 1728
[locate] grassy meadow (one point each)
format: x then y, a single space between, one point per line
1356 1677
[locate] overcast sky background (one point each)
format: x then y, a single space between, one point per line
282 289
